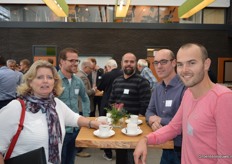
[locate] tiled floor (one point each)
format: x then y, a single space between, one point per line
96 157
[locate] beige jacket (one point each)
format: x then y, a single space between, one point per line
90 92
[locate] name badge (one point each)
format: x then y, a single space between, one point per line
189 129
99 77
168 103
126 91
76 91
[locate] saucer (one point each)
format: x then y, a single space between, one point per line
96 133
128 134
139 121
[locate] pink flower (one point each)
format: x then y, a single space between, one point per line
118 106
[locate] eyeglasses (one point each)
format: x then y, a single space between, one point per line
161 62
74 61
90 67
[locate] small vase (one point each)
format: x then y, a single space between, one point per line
117 123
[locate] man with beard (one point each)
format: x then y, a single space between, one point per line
73 87
204 115
134 92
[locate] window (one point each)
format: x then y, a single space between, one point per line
227 72
93 13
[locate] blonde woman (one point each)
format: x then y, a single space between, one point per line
46 116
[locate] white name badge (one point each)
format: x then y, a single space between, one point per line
168 103
126 91
76 91
189 129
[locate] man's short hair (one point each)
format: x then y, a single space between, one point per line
112 63
63 53
142 62
93 60
26 62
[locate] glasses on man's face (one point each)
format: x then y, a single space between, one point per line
161 62
74 61
89 68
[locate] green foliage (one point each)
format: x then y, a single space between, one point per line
117 112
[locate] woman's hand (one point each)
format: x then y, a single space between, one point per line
140 153
85 122
94 124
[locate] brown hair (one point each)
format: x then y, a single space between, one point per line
26 62
203 50
63 53
93 60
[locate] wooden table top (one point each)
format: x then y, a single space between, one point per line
86 138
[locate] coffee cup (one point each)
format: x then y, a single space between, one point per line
108 115
134 119
132 128
109 119
104 130
102 119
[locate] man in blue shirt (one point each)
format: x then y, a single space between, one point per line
11 63
73 87
145 72
8 83
165 101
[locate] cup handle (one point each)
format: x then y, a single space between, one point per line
111 127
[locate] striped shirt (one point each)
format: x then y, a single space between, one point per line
134 92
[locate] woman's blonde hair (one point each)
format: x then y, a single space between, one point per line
25 88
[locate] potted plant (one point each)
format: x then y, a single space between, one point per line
117 113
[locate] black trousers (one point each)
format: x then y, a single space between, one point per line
97 104
124 156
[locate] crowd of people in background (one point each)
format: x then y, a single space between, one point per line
66 93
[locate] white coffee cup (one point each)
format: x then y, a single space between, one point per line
108 115
109 119
104 130
102 119
134 119
132 128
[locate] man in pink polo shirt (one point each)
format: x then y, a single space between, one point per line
204 116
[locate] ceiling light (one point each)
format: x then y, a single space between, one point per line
59 7
121 8
190 7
